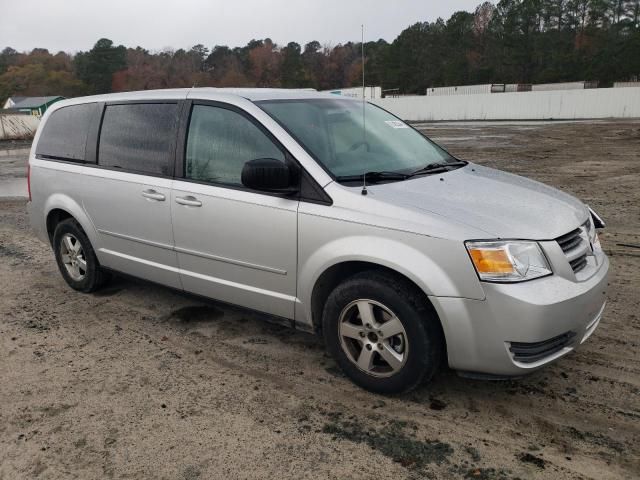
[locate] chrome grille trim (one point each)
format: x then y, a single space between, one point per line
575 246
579 263
570 240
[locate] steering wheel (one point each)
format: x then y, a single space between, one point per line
357 145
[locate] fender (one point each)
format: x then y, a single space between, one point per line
64 202
400 255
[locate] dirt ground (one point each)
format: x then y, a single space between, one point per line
138 381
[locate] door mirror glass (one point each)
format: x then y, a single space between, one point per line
267 174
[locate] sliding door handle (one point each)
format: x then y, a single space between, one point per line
153 195
189 201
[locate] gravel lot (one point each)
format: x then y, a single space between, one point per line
138 381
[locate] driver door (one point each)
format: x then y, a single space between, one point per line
233 244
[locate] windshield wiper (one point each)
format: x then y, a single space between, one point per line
437 168
373 177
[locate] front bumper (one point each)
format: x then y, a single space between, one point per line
489 336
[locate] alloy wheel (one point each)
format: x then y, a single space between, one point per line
373 338
72 256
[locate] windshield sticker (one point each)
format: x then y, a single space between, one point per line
396 124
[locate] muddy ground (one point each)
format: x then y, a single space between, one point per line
138 381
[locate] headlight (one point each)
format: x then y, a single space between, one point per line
508 261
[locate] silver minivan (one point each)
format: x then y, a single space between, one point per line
326 213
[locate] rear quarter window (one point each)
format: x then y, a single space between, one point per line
139 137
64 135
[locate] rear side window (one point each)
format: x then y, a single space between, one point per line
64 135
138 137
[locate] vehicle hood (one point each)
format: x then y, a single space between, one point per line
501 204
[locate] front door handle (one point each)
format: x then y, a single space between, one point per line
153 195
190 201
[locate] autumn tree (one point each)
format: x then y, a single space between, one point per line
264 64
96 67
292 70
511 41
38 73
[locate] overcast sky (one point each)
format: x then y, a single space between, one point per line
73 25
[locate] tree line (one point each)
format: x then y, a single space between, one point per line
513 41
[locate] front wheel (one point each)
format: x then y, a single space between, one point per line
382 332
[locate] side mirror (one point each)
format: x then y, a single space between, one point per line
268 175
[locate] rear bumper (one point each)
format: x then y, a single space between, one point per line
521 327
37 222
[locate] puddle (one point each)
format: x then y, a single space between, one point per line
395 440
453 139
198 319
491 123
14 152
196 313
109 291
16 187
13 252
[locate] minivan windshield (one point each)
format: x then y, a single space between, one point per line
351 139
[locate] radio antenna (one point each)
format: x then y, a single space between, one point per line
364 117
363 84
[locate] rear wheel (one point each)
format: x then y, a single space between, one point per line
76 258
382 332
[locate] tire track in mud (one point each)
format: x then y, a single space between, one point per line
242 363
230 359
268 355
251 357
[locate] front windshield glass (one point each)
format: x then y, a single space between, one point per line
349 141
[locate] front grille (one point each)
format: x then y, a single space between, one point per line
575 247
570 240
532 352
579 263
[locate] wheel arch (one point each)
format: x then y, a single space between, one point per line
338 258
54 217
331 277
59 207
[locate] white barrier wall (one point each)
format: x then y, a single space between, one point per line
18 127
356 92
553 105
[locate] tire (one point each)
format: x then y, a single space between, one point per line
76 258
388 303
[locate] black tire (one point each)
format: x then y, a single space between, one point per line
94 276
423 331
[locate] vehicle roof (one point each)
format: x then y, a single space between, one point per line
206 93
257 94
